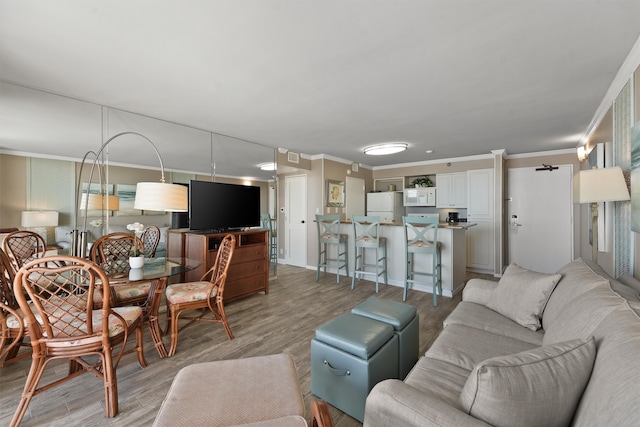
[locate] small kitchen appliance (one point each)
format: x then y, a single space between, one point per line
453 217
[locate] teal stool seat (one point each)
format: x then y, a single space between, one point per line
405 322
349 355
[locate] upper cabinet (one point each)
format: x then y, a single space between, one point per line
452 190
480 194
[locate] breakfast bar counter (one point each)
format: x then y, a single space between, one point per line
453 240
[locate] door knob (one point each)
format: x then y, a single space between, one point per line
302 221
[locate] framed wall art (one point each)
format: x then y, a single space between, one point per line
127 194
335 193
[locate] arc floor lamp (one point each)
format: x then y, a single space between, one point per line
153 196
600 185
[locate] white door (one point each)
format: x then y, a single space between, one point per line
354 195
295 213
540 216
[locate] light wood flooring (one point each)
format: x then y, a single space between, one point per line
282 321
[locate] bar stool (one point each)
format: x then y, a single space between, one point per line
267 223
417 227
329 234
366 232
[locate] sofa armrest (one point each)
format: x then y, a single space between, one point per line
394 403
478 291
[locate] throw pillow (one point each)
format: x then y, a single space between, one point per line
540 387
522 294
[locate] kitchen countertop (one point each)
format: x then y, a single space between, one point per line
457 225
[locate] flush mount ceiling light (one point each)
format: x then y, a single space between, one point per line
267 166
387 148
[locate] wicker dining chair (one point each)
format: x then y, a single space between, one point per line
12 328
24 246
112 252
64 322
206 295
150 239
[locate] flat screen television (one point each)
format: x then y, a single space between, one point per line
219 207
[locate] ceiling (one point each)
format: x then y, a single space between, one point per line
459 77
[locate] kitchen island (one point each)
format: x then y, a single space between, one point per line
453 250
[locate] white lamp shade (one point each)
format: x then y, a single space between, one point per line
100 201
601 185
39 219
160 196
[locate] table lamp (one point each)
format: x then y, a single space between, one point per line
39 221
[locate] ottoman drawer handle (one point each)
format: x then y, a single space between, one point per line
338 372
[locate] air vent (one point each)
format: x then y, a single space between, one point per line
293 157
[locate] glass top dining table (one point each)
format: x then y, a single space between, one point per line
157 271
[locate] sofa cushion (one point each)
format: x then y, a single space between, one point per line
541 387
465 347
580 317
625 291
630 281
613 392
480 317
522 294
577 278
439 379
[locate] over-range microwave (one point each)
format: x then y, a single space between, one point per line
421 196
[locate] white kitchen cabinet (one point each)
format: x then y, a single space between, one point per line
452 190
480 194
480 246
480 238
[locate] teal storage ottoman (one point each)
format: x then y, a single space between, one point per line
404 319
349 355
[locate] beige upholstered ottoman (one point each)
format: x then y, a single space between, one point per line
263 390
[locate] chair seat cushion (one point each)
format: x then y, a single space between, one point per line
126 291
368 241
129 313
13 322
131 290
76 320
423 244
190 291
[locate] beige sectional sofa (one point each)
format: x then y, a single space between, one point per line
491 365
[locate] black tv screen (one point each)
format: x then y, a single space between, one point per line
216 206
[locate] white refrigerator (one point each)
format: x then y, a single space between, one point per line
387 205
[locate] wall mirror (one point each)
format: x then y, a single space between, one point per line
68 128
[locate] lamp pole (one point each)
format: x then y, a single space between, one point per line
79 239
